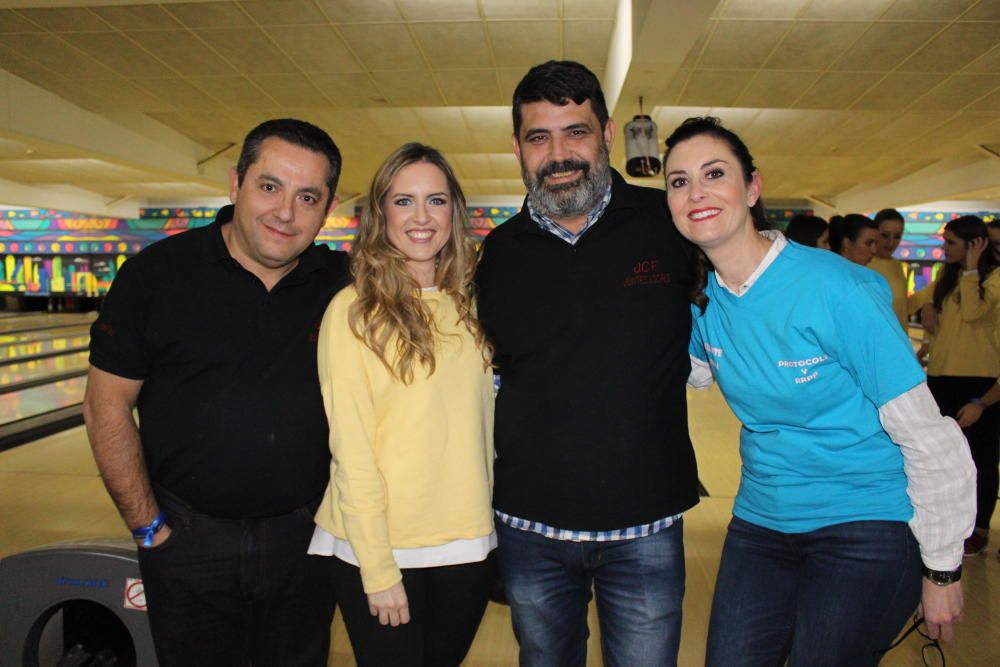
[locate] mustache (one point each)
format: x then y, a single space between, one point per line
563 165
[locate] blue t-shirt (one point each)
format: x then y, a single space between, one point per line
805 358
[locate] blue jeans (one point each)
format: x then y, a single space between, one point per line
639 586
832 596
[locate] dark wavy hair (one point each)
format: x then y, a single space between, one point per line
559 82
297 132
968 228
806 229
712 127
850 227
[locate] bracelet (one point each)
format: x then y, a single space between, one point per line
146 533
978 401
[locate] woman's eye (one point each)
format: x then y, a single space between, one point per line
715 173
678 182
438 201
401 201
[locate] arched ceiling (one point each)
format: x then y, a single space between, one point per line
847 104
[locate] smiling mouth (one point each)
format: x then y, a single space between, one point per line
420 235
278 232
704 214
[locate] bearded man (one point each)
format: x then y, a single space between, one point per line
584 296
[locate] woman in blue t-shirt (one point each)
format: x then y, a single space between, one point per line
855 493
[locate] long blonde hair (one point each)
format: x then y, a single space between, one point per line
389 307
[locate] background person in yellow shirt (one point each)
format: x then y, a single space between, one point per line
890 234
964 364
408 389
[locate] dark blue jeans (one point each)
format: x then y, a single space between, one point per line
831 596
639 586
236 592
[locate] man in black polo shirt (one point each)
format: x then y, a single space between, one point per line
212 335
583 294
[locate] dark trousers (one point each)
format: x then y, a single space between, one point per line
237 592
831 597
951 393
446 605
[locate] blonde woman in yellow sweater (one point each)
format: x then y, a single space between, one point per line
408 389
890 234
964 364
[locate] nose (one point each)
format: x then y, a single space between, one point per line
420 213
696 192
285 209
558 150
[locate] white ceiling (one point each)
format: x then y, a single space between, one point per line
854 103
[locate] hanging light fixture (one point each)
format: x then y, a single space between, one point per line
642 146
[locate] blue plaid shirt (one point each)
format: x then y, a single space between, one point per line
632 532
554 228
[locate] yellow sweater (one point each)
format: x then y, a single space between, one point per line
894 272
968 335
412 464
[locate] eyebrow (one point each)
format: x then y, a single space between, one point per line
707 164
316 192
568 128
412 196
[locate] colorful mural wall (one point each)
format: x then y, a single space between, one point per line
45 252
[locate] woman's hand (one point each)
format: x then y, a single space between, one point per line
969 414
929 318
390 605
974 252
941 607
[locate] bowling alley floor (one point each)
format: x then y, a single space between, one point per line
50 491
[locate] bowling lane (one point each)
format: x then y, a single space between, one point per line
37 400
39 369
43 334
14 351
43 321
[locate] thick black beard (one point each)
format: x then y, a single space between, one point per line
569 200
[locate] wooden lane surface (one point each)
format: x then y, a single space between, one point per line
50 491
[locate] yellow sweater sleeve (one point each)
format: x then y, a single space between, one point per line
347 396
975 307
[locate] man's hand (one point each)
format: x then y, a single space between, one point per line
941 607
390 605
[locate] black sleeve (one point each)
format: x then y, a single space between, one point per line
486 296
118 336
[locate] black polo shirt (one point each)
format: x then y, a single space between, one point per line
592 341
230 412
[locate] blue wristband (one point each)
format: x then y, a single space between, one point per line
146 533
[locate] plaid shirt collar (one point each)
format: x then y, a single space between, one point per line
554 228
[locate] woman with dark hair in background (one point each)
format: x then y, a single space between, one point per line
854 237
890 234
820 565
964 363
809 230
408 390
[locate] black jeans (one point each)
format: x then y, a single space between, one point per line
951 393
446 605
237 592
